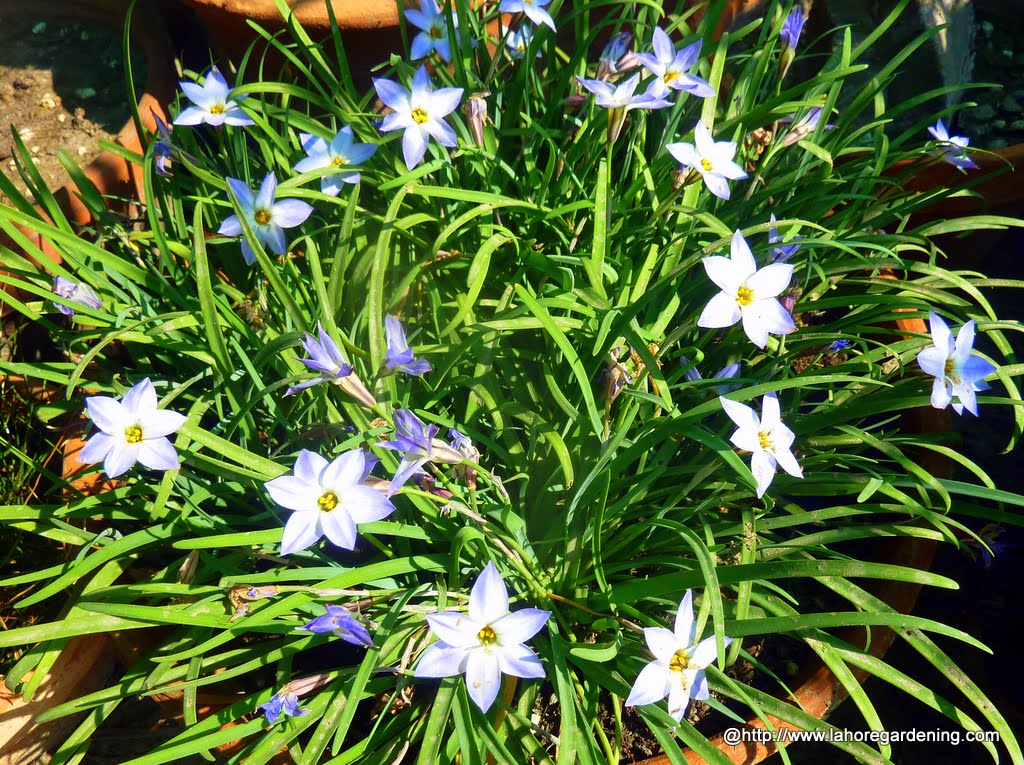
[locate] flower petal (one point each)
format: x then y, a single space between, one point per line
678 695
651 685
741 414
942 338
366 505
444 101
771 280
704 653
686 628
662 642
762 466
231 226
488 600
158 454
663 47
716 184
442 660
685 153
339 528
727 273
160 422
773 317
294 494
301 530
721 311
455 628
346 470
414 146
108 414
140 400
120 458
289 213
392 94
754 326
483 678
520 661
520 626
976 369
96 448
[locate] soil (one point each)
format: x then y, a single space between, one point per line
62 87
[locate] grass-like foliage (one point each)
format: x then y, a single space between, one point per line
552 275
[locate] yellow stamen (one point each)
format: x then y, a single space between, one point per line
706 164
262 217
328 501
680 661
764 439
133 434
744 296
217 109
669 77
419 115
487 636
948 369
339 161
436 33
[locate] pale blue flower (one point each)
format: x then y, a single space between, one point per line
484 643
792 28
956 370
267 218
418 446
327 499
74 292
340 153
670 67
803 127
420 113
725 373
619 99
534 10
326 358
283 702
748 294
679 663
840 345
434 31
617 56
213 104
518 41
341 623
131 430
400 357
713 160
767 439
952 148
783 252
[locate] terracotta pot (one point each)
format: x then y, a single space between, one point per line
116 179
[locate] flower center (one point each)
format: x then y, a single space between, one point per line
764 439
669 77
262 217
521 48
706 164
217 109
948 369
133 434
328 501
339 161
487 636
680 661
436 32
744 295
419 115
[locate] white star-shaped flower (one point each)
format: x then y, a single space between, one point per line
956 371
484 643
678 667
712 160
434 34
420 113
131 430
766 438
534 10
670 68
748 294
213 103
340 154
327 499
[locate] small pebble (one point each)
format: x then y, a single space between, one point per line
49 102
34 150
62 118
39 28
81 151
